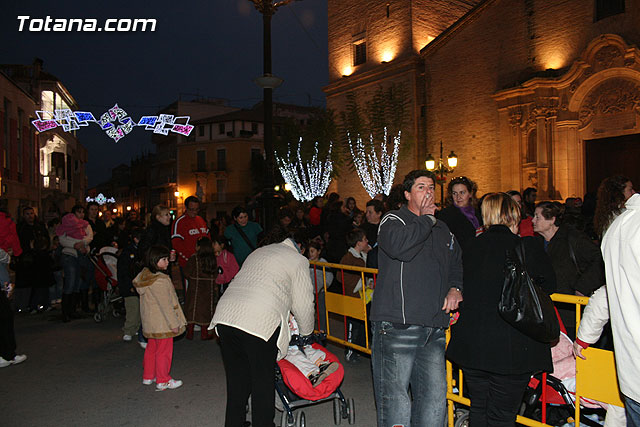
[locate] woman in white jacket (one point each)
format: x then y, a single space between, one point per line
251 320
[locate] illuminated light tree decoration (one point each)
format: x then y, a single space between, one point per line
376 175
309 179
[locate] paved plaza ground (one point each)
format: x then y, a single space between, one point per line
82 374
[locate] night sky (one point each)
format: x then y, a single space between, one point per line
208 48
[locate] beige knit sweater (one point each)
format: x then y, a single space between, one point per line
273 281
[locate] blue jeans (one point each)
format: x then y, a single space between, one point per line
409 357
88 273
71 270
632 410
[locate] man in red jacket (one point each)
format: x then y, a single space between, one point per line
186 231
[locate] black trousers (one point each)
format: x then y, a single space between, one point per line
495 398
249 363
7 335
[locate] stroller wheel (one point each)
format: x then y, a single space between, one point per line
462 418
351 410
97 317
286 420
337 411
301 419
116 313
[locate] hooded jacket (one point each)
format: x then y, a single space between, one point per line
419 260
159 306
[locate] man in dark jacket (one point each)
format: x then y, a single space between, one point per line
419 283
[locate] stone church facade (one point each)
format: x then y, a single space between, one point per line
526 92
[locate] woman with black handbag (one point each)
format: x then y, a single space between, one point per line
496 358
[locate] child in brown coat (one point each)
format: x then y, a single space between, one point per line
162 318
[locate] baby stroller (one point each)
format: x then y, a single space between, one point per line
108 283
295 390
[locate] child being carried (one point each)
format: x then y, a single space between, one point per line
310 361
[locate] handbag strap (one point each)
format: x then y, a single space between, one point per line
244 237
572 254
519 249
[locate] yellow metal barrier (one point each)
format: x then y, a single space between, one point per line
595 376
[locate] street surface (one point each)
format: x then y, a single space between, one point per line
82 374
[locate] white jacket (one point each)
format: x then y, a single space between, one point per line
595 317
273 281
621 252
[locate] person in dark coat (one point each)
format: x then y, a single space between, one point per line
158 233
338 225
129 266
33 267
497 359
576 260
461 215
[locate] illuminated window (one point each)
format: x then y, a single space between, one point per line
606 8
47 100
360 52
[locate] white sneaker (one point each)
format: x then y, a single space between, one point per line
196 328
142 344
18 359
126 338
4 363
172 384
148 382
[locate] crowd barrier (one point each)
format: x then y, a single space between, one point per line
595 377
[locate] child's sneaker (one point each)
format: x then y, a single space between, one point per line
126 337
172 384
148 382
4 363
19 358
326 369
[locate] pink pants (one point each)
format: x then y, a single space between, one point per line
157 360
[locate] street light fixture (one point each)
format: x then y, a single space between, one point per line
441 169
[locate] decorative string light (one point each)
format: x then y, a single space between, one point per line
376 175
116 123
309 179
101 199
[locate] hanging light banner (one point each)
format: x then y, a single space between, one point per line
100 199
115 122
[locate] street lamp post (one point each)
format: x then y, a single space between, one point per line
442 169
268 82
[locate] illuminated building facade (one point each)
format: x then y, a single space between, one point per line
527 93
51 165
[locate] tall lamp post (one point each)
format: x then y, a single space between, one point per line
441 169
268 82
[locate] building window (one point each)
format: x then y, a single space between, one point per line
222 160
221 129
359 52
254 128
606 8
256 154
201 157
201 130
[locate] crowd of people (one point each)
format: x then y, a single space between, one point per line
243 284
